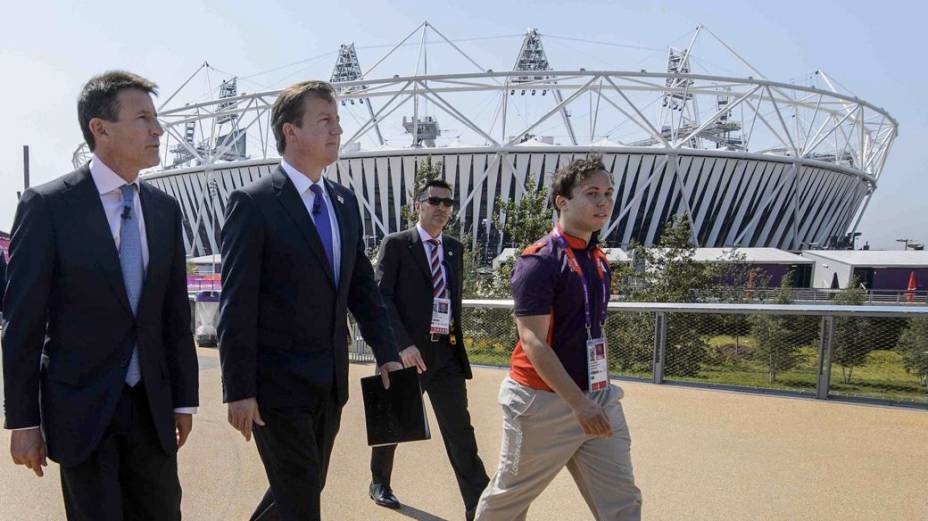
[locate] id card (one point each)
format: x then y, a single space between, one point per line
597 364
441 316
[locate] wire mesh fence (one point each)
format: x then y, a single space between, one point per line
759 351
869 352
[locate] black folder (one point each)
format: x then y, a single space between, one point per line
397 414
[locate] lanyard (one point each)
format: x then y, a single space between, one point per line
575 267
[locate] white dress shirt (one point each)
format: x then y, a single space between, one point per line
424 235
303 184
108 185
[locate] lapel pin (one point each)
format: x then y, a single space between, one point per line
341 200
451 254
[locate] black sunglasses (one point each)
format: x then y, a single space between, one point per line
435 201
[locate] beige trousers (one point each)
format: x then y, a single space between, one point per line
541 436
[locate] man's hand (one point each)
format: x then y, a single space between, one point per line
592 418
244 413
411 357
183 424
27 446
384 371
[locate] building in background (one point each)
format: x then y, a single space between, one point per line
874 269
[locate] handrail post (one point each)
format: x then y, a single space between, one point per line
660 344
825 349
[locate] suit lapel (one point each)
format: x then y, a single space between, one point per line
341 215
451 267
157 236
100 243
290 200
418 252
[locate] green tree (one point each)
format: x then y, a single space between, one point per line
776 346
521 223
914 347
671 274
524 222
850 347
735 279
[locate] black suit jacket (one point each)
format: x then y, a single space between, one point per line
405 281
66 297
283 320
2 277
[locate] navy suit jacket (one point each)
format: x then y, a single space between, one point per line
65 299
283 319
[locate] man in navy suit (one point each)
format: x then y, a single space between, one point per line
97 350
293 266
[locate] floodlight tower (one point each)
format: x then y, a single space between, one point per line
679 112
182 154
347 68
228 145
534 62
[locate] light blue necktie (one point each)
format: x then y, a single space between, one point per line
133 268
323 225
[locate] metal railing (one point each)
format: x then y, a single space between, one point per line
874 296
872 353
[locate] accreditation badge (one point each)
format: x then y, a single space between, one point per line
441 316
597 364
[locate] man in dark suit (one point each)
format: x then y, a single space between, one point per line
293 266
97 348
420 273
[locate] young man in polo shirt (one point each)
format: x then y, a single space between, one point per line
558 405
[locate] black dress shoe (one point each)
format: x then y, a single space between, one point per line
383 496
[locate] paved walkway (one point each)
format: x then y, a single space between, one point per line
698 454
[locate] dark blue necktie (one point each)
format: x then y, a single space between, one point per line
323 224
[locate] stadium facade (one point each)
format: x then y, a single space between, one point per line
752 162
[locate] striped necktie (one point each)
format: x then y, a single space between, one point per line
438 281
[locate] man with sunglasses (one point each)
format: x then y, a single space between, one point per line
420 274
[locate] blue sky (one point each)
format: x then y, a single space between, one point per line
48 49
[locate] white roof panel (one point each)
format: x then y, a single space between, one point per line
887 258
750 255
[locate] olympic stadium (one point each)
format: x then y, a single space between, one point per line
752 161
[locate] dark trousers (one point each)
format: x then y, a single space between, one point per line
445 385
295 445
128 476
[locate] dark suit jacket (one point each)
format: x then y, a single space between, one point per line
405 281
283 321
66 297
2 277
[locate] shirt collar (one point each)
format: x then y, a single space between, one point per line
576 242
300 181
104 178
424 235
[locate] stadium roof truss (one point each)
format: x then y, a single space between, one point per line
659 112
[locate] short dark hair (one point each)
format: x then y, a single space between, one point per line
437 183
574 173
290 106
98 98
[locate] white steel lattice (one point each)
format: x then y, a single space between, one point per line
764 163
